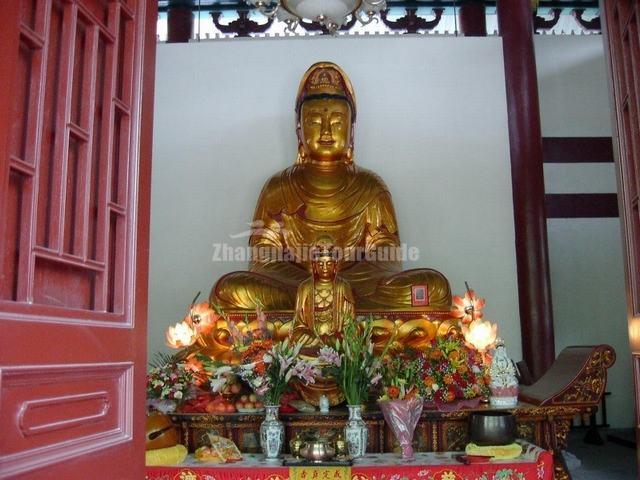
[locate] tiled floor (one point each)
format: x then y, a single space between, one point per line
601 462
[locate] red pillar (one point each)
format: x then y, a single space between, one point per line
472 18
179 24
525 138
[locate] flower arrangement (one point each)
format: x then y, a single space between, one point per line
169 383
352 362
240 342
267 368
402 400
403 376
453 371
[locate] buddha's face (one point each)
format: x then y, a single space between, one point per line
325 267
325 126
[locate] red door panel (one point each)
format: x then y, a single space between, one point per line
622 28
75 143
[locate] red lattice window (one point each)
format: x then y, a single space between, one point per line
66 215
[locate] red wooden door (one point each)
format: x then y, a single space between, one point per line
622 22
76 78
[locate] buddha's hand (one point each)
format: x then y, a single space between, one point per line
305 336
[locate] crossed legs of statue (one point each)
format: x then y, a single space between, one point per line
245 290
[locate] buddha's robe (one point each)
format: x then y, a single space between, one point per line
316 328
354 207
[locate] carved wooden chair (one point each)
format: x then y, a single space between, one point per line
577 378
576 381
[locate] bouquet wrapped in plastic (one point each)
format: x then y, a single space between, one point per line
402 416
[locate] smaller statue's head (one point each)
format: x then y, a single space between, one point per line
324 260
325 114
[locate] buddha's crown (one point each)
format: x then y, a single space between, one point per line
326 78
324 247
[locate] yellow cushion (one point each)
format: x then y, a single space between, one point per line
166 456
499 452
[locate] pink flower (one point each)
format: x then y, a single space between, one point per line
468 307
236 334
203 317
329 356
261 318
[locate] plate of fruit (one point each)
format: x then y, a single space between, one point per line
207 403
249 404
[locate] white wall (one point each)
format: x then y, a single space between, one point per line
431 121
587 277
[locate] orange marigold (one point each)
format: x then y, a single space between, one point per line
411 393
454 355
393 391
436 354
462 369
200 375
428 381
450 396
257 348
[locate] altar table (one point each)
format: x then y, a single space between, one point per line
546 426
534 464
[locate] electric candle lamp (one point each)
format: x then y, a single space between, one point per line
481 334
181 335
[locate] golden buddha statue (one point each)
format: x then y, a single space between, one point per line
323 302
325 193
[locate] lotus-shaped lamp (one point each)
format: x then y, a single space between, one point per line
480 333
181 335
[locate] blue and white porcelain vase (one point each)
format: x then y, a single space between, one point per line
271 433
356 433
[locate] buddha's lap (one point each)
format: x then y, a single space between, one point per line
244 290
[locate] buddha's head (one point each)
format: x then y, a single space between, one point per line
324 260
325 114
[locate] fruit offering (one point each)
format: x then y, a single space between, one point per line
208 403
249 403
285 407
233 387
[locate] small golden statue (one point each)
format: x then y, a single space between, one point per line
323 301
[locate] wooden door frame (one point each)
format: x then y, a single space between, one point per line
625 208
60 460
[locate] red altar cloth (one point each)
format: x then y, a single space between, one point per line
533 464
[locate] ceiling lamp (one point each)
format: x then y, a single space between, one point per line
329 13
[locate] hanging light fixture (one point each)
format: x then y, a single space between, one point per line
330 13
